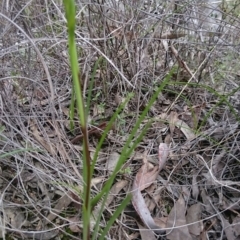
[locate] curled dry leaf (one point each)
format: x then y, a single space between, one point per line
144 178
146 175
163 152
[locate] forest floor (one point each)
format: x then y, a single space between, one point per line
195 196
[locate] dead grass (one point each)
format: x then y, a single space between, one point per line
41 187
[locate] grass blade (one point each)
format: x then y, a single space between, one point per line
118 211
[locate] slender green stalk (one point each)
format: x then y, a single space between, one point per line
71 112
70 15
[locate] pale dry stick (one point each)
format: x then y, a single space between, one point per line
39 55
225 183
137 198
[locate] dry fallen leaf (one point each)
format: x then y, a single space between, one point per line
61 205
177 218
74 224
112 161
186 130
195 189
236 225
14 217
48 234
37 135
161 222
173 118
174 121
217 164
146 233
146 175
116 188
144 178
169 35
132 236
231 230
95 181
194 215
208 207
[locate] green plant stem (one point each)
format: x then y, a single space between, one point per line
70 15
71 112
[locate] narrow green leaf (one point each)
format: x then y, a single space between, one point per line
115 215
106 189
110 124
125 152
19 151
